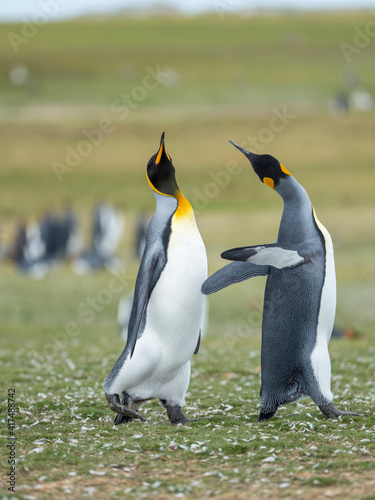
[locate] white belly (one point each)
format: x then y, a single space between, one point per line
320 360
175 308
160 365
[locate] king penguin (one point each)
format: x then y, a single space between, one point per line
166 316
300 296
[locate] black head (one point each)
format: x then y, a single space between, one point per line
161 172
268 169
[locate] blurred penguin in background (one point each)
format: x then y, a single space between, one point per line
107 230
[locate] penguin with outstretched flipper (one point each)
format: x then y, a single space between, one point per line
300 296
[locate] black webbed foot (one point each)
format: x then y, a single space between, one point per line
120 409
122 419
176 415
331 411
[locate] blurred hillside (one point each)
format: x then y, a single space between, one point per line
202 80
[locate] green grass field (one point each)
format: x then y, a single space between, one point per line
220 80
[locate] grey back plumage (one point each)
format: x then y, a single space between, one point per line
291 305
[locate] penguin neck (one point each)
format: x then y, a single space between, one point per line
173 205
184 209
165 205
297 223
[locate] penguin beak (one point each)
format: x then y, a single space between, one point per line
162 154
250 156
244 151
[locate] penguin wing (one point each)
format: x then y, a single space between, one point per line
277 255
148 275
235 272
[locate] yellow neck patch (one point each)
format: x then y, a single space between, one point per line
184 208
269 182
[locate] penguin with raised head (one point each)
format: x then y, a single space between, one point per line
300 296
166 316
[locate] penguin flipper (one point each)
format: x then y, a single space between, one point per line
148 274
277 255
233 273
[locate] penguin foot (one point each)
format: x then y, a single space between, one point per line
120 409
176 415
121 419
331 411
265 416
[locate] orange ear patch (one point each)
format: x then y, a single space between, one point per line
283 169
269 182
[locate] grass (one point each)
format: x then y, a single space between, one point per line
232 76
67 445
